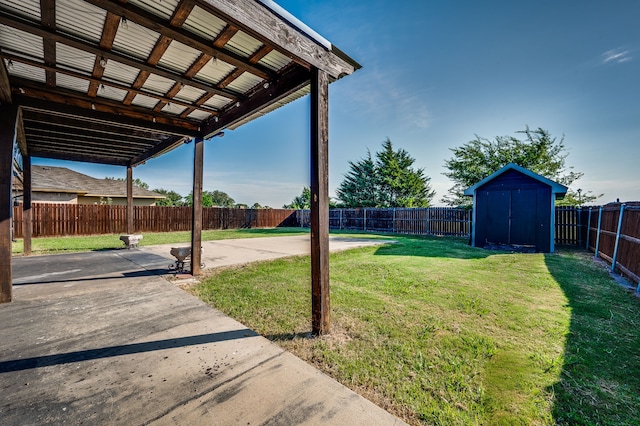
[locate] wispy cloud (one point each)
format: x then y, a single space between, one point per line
616 56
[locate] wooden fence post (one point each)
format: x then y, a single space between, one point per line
615 249
598 232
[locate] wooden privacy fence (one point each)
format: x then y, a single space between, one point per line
416 221
50 220
613 233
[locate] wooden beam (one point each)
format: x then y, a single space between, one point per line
93 80
130 229
27 26
109 30
8 120
164 146
27 215
71 98
5 85
154 23
258 21
320 306
48 19
282 87
196 227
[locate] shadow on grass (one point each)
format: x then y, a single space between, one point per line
600 378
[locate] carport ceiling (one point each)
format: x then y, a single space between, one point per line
119 82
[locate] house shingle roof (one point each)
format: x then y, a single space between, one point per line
61 179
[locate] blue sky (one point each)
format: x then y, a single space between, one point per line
435 74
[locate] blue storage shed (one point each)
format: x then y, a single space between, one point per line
515 207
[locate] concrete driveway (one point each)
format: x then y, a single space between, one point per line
103 338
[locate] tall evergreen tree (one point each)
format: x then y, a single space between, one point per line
389 181
360 186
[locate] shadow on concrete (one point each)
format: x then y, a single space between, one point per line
134 348
132 274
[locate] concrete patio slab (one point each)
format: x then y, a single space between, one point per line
101 338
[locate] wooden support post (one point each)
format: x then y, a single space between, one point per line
320 306
130 228
8 120
196 227
27 216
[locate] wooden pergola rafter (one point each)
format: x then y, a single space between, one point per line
182 75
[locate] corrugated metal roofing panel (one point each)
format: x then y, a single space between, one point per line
158 84
243 44
112 93
214 71
189 94
135 40
119 72
25 8
26 71
199 115
21 43
163 8
173 109
245 82
218 102
178 57
144 101
70 57
282 102
204 24
70 12
72 83
275 60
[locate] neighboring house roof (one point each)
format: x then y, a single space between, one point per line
556 188
61 179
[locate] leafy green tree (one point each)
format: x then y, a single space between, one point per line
206 199
136 182
173 199
538 151
302 201
389 181
221 199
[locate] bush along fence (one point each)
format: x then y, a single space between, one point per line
50 220
416 221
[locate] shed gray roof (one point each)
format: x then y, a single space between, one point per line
556 188
61 179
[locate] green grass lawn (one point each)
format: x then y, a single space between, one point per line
438 332
108 242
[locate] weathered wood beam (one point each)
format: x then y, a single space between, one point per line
96 117
320 303
27 213
72 98
196 227
85 158
109 31
8 120
48 19
93 80
108 132
154 23
260 22
5 85
27 26
282 87
162 147
130 229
